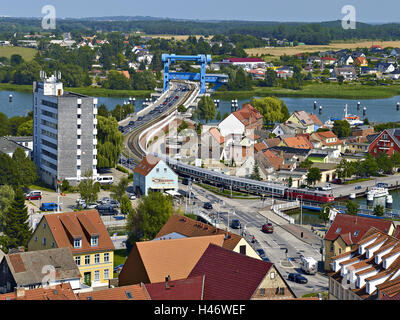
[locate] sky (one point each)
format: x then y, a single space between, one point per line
370 11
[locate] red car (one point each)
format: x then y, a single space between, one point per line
34 195
268 228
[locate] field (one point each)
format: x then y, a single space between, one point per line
277 52
317 90
26 53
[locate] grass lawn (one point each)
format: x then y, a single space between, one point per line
26 53
120 257
40 188
358 180
227 193
317 90
101 92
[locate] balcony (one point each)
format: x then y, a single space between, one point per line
79 111
95 142
79 132
79 152
79 121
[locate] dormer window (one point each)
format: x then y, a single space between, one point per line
77 243
338 230
94 241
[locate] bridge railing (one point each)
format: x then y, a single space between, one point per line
288 205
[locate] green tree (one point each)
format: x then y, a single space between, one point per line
271 79
379 210
181 108
25 167
384 162
218 116
6 198
255 175
119 190
126 205
226 115
117 81
352 207
206 109
290 182
25 129
16 59
313 175
396 159
151 213
16 225
88 188
110 142
370 166
341 128
273 109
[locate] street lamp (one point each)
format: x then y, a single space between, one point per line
301 208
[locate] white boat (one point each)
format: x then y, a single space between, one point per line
380 190
352 119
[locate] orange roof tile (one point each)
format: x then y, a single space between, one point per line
162 258
217 135
59 292
192 228
60 231
146 165
298 142
132 292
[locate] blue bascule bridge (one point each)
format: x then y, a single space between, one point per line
202 59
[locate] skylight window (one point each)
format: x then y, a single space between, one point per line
338 230
356 233
129 295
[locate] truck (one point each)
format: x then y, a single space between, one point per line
49 206
309 265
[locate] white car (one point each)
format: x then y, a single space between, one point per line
327 188
132 196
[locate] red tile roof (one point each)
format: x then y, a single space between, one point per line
248 114
246 60
349 224
298 142
59 292
146 165
60 231
229 275
184 289
217 135
132 292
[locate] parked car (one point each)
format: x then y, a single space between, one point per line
297 277
268 228
114 203
131 123
105 200
132 196
327 188
49 206
106 210
357 187
235 224
34 195
207 206
91 206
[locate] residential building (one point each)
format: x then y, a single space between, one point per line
179 226
304 119
64 132
345 232
348 73
297 142
385 67
247 118
361 62
326 139
61 291
345 60
8 147
26 142
373 265
387 141
223 269
84 233
328 61
153 261
282 130
153 174
362 131
28 269
249 63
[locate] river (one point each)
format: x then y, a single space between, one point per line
22 103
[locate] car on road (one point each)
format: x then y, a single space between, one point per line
34 195
267 228
131 123
207 206
357 187
297 277
235 224
337 181
327 188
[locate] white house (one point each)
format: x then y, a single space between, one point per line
231 125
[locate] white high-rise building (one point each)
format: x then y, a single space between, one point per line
64 132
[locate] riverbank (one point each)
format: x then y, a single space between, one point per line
89 91
316 90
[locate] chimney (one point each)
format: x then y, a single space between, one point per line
19 292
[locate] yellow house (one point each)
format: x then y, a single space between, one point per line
345 232
85 234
